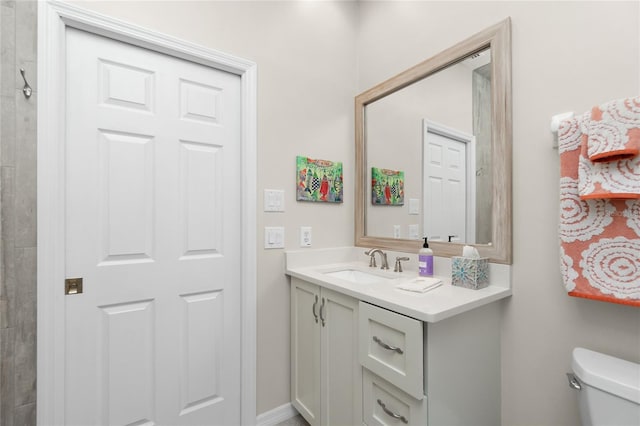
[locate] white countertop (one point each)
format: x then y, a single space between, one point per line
432 306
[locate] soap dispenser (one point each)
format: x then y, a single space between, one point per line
425 260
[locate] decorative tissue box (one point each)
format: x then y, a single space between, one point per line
470 273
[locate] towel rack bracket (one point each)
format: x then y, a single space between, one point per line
555 125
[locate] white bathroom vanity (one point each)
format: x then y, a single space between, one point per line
365 352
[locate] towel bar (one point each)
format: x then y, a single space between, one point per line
555 125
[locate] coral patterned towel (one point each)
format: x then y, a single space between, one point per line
599 238
614 130
609 164
615 179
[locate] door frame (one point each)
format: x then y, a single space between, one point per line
429 126
53 19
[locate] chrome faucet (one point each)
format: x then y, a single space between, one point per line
372 258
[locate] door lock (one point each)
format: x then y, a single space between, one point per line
73 286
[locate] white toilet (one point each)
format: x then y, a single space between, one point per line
609 389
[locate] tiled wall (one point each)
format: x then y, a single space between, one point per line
18 214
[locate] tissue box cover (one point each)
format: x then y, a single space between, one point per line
470 273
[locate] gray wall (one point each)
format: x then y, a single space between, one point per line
17 209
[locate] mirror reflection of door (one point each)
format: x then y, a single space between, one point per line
449 184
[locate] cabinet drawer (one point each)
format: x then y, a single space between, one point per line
385 404
391 347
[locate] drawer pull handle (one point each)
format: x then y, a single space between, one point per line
392 414
313 309
384 345
322 318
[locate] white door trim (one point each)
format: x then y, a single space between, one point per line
451 133
53 18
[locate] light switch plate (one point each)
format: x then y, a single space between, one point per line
414 206
273 200
273 237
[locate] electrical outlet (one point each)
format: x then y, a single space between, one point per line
413 232
305 236
396 231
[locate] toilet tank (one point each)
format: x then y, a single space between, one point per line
610 389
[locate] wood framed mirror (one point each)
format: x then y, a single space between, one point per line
394 133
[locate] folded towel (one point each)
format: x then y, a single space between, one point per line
420 285
614 130
599 238
614 179
609 137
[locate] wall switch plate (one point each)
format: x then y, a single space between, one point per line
273 237
414 206
396 231
413 232
305 236
273 200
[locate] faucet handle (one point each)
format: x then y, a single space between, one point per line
372 258
398 267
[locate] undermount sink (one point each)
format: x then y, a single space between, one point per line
357 276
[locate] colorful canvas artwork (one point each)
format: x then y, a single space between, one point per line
319 180
387 187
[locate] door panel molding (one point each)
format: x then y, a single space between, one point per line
429 126
54 18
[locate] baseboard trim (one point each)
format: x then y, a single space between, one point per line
277 415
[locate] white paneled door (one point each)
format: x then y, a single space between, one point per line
445 187
153 227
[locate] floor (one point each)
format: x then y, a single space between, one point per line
294 421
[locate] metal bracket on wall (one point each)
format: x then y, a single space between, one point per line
26 89
555 125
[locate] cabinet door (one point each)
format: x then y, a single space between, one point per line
305 350
341 370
